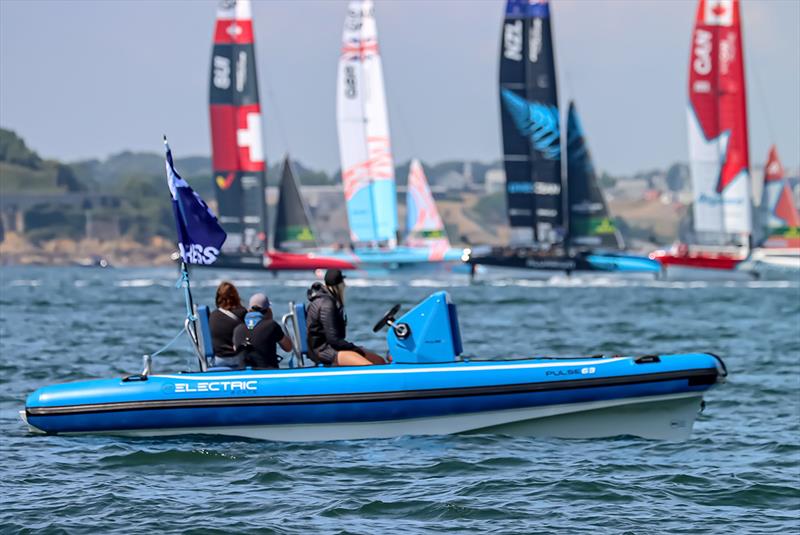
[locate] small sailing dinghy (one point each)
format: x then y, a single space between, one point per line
430 388
718 147
545 236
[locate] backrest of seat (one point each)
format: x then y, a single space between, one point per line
204 332
302 327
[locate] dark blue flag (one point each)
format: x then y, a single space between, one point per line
200 236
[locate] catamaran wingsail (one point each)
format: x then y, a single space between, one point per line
366 155
543 236
237 150
718 150
364 144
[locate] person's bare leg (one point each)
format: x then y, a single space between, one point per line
351 358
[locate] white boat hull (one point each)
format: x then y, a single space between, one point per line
774 263
667 417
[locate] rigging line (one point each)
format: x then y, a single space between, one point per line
169 344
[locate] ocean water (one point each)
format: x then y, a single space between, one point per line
739 473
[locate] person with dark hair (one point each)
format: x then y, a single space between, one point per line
222 321
327 325
257 339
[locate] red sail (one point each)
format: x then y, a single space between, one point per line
717 84
778 206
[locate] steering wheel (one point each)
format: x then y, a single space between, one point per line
389 316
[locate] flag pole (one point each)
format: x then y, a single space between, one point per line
200 238
191 319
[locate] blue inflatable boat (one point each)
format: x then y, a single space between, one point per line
429 389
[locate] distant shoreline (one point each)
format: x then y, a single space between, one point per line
16 250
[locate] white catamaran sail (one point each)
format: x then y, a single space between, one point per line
364 145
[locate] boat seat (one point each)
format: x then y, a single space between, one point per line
294 324
205 347
302 328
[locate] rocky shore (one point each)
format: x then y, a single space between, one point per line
16 250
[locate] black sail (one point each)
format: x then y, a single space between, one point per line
530 124
589 221
293 228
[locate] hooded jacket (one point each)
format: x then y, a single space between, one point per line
326 326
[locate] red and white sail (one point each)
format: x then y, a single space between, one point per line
781 217
364 146
237 143
424 225
717 118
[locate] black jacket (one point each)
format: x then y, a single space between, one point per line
326 325
259 344
222 326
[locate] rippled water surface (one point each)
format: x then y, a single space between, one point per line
740 472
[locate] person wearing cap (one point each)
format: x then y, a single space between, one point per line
327 326
258 338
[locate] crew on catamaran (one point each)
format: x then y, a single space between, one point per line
228 315
258 337
327 325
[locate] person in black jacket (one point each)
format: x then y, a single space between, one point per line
228 315
259 336
327 326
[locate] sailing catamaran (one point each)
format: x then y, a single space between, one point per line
545 235
239 168
718 150
366 155
780 220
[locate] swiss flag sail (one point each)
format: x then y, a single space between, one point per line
717 118
236 138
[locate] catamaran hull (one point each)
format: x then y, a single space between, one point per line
592 262
669 417
652 397
773 263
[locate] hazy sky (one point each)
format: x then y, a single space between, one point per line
82 79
